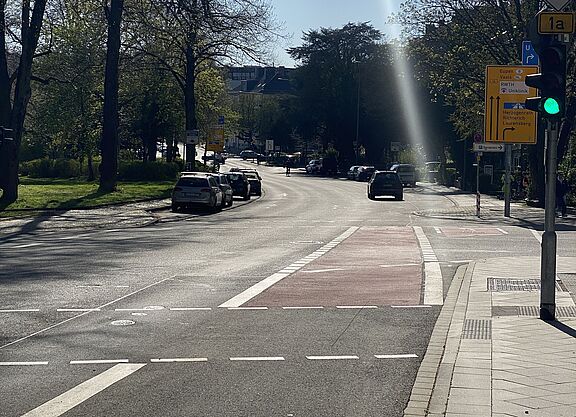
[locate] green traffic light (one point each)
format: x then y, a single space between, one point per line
551 106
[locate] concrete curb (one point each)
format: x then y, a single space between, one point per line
431 387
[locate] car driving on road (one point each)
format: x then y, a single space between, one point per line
195 189
385 183
240 184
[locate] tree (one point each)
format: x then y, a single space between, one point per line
14 98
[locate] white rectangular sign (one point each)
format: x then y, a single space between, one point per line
488 147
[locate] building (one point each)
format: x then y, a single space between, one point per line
259 80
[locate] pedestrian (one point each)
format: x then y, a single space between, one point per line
288 165
562 189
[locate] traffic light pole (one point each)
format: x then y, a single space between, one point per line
548 259
507 180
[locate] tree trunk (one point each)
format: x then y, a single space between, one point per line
14 117
190 99
109 140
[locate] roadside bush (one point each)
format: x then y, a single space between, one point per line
148 171
50 168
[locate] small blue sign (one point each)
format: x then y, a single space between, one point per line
514 106
529 55
220 120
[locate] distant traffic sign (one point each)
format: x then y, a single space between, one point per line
529 55
488 147
506 118
553 23
216 140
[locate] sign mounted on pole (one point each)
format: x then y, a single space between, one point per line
506 119
269 145
216 139
554 23
529 55
488 147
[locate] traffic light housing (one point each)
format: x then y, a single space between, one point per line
551 81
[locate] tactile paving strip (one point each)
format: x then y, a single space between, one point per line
512 284
477 329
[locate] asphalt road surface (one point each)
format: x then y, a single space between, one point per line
309 301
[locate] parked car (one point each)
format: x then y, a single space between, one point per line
364 173
218 158
240 184
246 170
407 173
249 154
314 166
227 192
385 183
255 183
196 189
351 175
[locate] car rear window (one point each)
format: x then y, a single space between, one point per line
234 177
387 178
251 176
193 182
405 169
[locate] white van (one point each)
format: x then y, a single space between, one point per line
406 172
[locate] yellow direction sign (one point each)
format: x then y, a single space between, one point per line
216 139
550 23
506 118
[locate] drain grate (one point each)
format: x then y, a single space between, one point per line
477 329
512 284
532 311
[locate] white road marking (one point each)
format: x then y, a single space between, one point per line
85 313
190 309
76 310
266 283
355 307
504 232
320 358
247 308
323 270
28 245
433 283
303 308
402 356
22 363
80 393
174 360
96 361
24 310
258 358
416 306
537 235
399 265
437 229
73 237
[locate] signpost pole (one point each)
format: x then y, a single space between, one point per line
548 259
478 184
507 179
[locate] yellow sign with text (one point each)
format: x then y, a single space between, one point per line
506 119
551 23
216 140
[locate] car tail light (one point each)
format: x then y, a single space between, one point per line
206 190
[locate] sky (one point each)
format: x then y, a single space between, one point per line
302 15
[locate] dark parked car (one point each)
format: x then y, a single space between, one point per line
227 191
364 173
385 183
218 158
351 175
255 183
248 154
246 171
239 183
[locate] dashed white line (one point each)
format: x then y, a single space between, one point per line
401 356
303 308
80 393
76 310
355 307
177 360
342 357
98 361
415 306
28 245
24 310
323 270
266 283
247 308
22 363
257 358
190 309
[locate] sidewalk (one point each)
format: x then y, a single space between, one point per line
490 354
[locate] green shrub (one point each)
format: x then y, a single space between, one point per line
50 168
148 171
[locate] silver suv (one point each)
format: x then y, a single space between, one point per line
195 189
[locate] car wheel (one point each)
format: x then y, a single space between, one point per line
174 207
230 202
371 196
247 197
399 197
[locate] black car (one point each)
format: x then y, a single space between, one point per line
239 183
255 183
364 173
385 183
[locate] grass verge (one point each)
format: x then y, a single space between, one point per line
37 194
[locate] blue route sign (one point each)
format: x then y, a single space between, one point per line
529 55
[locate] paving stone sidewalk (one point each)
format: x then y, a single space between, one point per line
490 354
125 215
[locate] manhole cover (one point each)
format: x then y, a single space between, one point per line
123 323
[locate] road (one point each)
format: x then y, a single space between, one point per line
309 301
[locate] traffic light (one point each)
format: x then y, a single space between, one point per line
551 81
